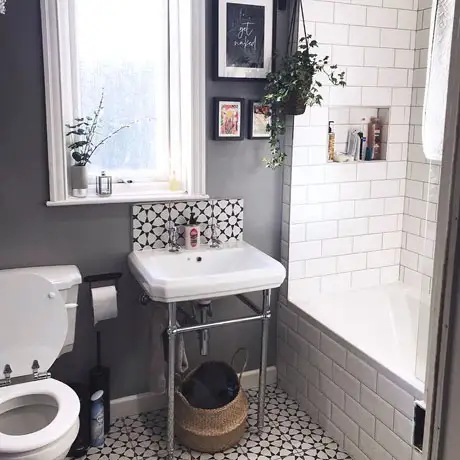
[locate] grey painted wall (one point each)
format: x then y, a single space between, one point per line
97 238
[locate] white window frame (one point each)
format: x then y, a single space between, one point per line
187 93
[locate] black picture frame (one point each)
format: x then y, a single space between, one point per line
229 65
218 103
252 134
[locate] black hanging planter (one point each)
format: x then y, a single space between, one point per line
294 85
295 105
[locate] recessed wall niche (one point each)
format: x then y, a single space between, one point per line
347 118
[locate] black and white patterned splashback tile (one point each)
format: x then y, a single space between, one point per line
150 221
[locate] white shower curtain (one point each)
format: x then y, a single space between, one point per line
434 113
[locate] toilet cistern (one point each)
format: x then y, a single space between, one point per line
39 416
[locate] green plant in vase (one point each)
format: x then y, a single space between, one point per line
83 142
293 87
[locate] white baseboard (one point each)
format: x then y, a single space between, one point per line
147 402
250 379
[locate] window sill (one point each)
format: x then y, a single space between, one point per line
114 199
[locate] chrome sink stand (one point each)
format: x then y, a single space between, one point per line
260 315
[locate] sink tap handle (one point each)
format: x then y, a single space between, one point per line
7 371
214 241
173 245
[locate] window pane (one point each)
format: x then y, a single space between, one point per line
121 49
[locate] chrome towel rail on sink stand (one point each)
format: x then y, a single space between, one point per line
262 315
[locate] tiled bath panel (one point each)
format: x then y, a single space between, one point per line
367 410
289 434
150 221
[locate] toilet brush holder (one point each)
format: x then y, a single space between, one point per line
99 379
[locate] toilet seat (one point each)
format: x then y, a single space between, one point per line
68 408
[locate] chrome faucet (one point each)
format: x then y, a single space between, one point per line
173 244
7 371
214 242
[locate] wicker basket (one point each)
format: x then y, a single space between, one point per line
211 430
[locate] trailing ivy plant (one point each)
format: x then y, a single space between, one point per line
293 87
83 133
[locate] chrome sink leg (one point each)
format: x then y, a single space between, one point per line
205 312
172 332
263 357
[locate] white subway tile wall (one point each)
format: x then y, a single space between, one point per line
366 223
360 407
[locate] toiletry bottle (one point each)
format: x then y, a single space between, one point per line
331 142
371 139
174 184
377 139
362 143
192 234
97 419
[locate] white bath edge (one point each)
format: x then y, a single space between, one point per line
148 402
414 387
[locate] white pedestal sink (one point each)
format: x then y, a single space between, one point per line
207 273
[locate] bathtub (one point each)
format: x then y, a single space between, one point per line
355 361
386 323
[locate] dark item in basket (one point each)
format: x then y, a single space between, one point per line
213 385
217 429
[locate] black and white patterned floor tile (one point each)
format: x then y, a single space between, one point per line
289 434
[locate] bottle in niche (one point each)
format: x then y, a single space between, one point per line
192 234
375 138
331 142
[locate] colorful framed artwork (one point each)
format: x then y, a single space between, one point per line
229 118
259 117
244 36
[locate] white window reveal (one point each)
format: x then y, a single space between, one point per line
146 59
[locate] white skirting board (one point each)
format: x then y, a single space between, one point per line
146 402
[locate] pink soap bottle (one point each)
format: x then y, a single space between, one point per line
192 234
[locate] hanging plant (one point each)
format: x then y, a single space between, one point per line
294 86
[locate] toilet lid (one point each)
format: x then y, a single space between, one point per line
33 323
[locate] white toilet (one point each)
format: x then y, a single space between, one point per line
38 415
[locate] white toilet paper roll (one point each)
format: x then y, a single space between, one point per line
104 303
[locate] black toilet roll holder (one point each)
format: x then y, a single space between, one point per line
99 376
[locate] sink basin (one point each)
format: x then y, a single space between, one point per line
205 273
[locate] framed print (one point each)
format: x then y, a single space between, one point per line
259 117
228 122
244 38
